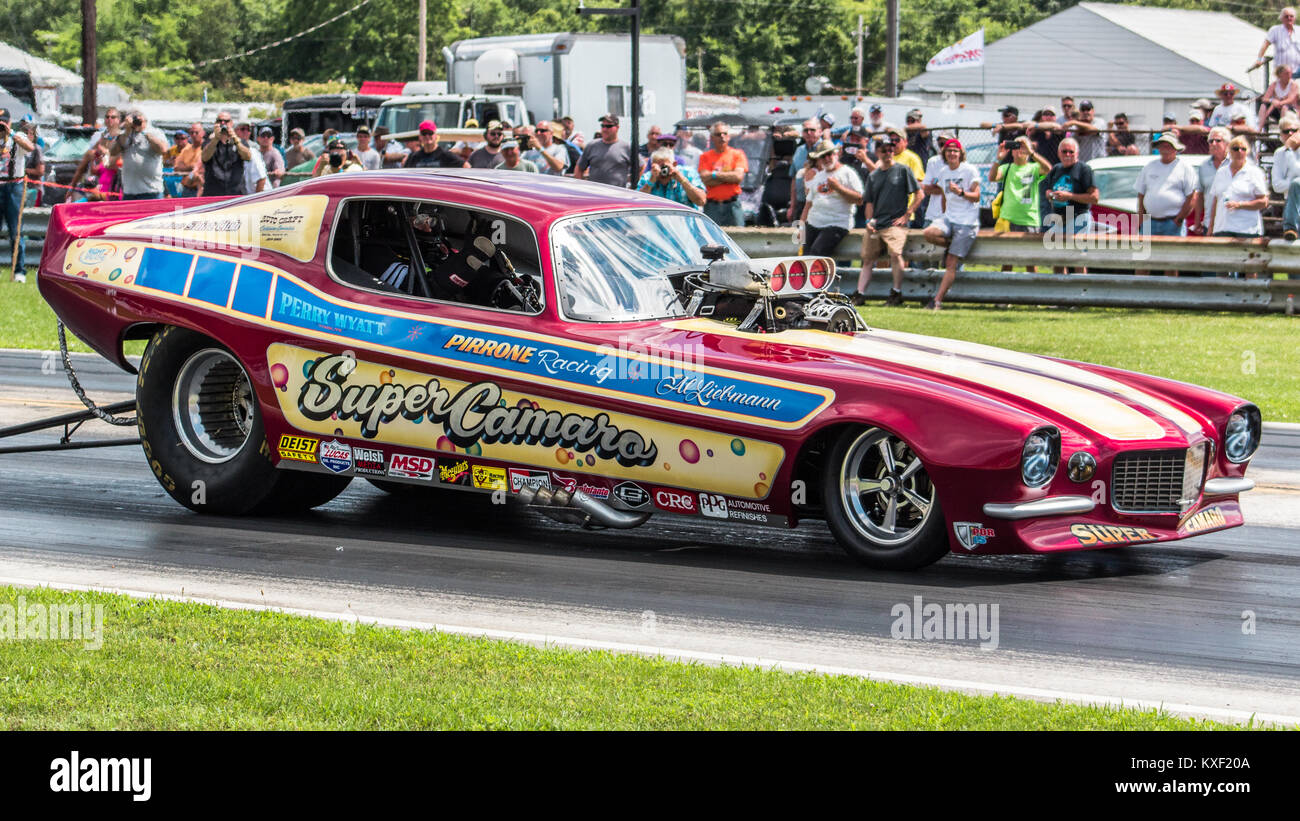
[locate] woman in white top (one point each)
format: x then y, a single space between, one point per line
1281 96
1238 195
832 195
957 182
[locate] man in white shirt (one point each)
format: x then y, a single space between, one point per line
1286 176
1166 189
1228 109
957 184
1285 40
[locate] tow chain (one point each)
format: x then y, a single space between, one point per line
80 392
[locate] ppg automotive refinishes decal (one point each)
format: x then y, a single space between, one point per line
337 395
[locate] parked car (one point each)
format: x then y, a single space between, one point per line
1116 179
61 160
601 356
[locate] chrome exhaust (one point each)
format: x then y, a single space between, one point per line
570 508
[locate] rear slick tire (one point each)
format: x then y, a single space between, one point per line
201 429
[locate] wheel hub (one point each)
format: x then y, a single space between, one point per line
212 405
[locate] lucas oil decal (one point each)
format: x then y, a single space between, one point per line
338 396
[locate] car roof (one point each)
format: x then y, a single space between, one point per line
1139 160
536 198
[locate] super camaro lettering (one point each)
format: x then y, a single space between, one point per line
473 414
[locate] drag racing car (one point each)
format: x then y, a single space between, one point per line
602 356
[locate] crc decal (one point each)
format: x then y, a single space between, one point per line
632 495
1211 518
1089 535
971 535
368 461
675 501
489 478
453 472
298 448
335 456
346 397
409 466
520 479
473 414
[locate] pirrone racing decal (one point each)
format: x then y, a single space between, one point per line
472 414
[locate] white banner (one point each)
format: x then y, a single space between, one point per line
965 53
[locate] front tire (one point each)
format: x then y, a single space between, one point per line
880 503
201 428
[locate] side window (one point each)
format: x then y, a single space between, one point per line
435 251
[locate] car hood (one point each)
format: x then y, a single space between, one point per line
1064 393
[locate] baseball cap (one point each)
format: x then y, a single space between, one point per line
363 129
916 112
297 132
1085 105
1227 87
1047 109
1171 139
471 123
428 125
510 144
897 132
180 132
1009 109
609 119
493 125
1170 118
952 144
1205 103
1195 114
827 118
265 132
876 107
335 143
666 138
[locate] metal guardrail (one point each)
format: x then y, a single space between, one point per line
35 222
1263 256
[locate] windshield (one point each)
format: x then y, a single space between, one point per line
400 117
610 268
1116 183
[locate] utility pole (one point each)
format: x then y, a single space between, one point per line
858 92
891 58
634 11
423 60
699 67
89 72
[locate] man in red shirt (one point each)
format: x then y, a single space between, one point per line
721 169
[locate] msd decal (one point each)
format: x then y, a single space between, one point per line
335 456
520 479
675 501
971 535
407 466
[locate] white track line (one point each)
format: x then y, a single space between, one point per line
545 640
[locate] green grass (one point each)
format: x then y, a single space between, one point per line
1251 355
166 665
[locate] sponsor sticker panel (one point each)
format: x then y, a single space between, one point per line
298 448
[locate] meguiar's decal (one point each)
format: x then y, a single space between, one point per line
340 397
290 226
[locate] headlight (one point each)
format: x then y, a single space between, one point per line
1081 467
1241 434
1039 457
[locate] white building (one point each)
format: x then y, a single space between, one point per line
1135 59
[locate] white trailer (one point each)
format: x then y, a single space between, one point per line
579 75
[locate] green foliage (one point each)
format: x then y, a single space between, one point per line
748 46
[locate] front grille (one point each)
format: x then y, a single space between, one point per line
1148 481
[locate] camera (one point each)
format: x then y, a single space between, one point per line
136 121
665 171
525 142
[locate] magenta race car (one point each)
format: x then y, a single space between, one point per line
601 356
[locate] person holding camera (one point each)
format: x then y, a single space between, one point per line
14 147
339 159
665 178
224 155
141 147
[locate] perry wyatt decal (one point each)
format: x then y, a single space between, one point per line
339 397
472 414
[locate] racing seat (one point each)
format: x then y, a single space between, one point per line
776 195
